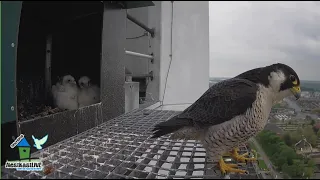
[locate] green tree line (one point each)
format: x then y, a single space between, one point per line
308 132
284 157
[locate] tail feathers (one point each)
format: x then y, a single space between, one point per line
170 126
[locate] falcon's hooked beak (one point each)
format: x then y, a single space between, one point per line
296 91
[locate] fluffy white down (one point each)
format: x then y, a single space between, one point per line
65 94
88 94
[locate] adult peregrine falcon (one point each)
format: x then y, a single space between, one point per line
232 111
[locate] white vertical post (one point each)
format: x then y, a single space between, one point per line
48 65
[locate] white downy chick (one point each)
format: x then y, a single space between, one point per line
88 93
65 94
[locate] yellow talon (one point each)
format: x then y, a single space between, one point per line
228 168
241 158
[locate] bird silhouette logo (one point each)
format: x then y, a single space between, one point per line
38 143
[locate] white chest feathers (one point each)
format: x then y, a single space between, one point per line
89 95
261 108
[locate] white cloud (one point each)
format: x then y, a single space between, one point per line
245 35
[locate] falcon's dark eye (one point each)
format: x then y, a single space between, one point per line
293 78
69 80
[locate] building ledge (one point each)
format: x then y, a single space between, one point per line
169 107
122 148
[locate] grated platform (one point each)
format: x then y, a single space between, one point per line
122 148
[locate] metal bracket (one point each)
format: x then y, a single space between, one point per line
149 75
152 60
151 31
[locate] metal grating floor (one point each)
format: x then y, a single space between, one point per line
122 148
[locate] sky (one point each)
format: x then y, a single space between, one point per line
246 35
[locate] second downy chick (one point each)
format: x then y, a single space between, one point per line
88 93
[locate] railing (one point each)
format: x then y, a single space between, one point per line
140 55
151 31
136 54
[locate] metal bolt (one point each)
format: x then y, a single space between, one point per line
12 44
12 108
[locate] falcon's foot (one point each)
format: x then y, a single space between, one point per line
242 158
228 168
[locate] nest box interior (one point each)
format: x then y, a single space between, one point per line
75 30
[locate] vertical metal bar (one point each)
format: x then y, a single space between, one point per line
151 31
48 65
112 62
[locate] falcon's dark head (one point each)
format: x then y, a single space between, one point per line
280 77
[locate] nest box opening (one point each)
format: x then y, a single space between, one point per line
56 39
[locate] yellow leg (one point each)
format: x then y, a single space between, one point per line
228 168
241 158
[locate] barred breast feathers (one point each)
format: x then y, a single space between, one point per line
254 119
